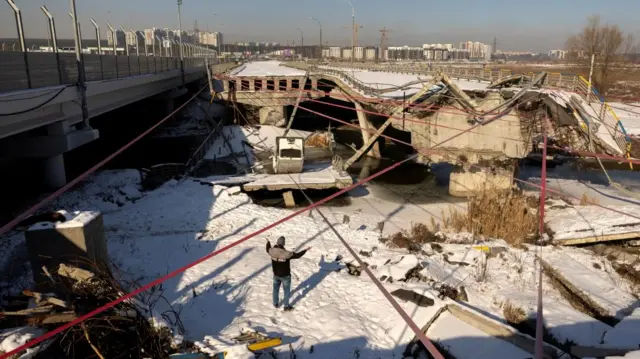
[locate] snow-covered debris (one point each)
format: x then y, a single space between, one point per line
591 221
104 191
12 339
597 284
262 138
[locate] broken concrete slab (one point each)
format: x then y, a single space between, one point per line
411 296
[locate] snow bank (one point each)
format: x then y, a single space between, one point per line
626 333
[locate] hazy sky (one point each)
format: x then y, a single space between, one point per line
535 25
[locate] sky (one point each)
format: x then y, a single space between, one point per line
525 25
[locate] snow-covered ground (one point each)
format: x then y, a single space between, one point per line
266 68
629 115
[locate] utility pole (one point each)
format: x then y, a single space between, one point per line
320 25
301 43
353 30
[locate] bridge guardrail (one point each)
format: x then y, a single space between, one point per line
51 69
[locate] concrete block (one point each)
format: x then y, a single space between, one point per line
463 183
288 199
79 241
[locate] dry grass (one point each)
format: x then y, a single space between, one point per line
414 239
320 140
513 314
495 214
587 200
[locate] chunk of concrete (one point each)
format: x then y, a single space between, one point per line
79 242
465 183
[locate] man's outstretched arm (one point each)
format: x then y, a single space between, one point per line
300 254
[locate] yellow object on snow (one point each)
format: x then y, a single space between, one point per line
264 344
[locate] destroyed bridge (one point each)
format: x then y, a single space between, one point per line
470 115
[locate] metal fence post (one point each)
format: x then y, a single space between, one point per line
126 49
135 34
114 37
99 47
80 62
23 46
54 40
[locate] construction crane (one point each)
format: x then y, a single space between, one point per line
355 32
383 41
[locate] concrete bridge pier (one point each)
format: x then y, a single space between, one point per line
49 146
467 182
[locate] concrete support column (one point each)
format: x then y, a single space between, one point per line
271 115
252 84
289 84
226 85
314 84
467 182
54 171
367 130
289 202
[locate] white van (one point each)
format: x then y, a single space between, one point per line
289 156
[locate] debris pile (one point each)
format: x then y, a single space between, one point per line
123 331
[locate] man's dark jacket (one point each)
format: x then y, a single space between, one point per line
281 258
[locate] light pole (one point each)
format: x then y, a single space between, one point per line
353 30
301 42
180 29
320 25
126 41
135 34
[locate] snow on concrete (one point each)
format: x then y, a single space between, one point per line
600 282
266 68
629 115
11 339
465 341
590 221
625 334
320 175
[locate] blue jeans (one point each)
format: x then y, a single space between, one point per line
286 283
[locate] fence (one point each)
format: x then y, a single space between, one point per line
51 69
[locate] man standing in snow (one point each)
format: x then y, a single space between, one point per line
280 263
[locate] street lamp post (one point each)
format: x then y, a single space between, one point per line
114 37
320 25
353 30
181 53
301 42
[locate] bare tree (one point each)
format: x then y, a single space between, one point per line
611 38
629 45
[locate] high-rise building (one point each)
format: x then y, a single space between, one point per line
347 53
405 53
558 54
359 52
371 53
335 52
120 38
